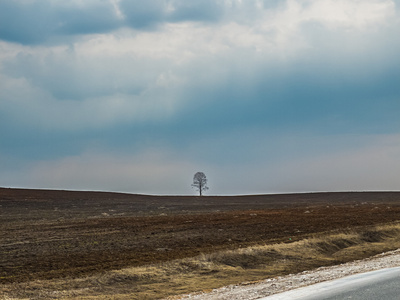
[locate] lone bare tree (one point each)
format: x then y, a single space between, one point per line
200 182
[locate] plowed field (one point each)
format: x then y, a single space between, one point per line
53 234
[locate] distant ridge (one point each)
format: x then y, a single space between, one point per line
316 194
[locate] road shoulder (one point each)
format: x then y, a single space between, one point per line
293 281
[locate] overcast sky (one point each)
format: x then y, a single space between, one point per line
263 96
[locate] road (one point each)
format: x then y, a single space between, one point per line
382 284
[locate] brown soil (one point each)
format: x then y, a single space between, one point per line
53 234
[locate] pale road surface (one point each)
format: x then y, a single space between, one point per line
382 284
274 286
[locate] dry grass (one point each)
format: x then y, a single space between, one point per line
213 270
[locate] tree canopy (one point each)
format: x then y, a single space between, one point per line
200 182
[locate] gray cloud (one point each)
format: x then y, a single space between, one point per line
69 76
254 87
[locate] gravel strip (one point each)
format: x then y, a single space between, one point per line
284 283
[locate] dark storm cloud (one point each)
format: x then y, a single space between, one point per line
85 19
196 10
33 22
144 14
26 23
